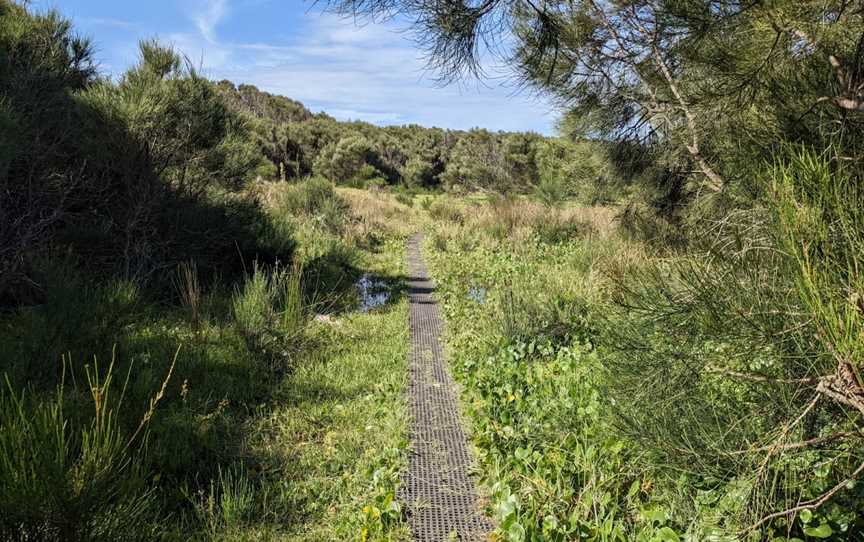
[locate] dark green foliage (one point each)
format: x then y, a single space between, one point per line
42 62
759 328
349 160
104 187
297 143
477 162
132 176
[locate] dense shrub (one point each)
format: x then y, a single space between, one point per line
730 360
351 160
130 175
42 64
317 199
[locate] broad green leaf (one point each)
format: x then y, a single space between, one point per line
822 531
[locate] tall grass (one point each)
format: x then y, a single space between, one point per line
269 310
227 504
314 198
444 209
189 289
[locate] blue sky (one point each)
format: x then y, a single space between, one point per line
368 72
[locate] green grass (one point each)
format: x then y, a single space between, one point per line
272 426
574 443
336 440
333 440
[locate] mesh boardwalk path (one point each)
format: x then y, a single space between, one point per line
438 492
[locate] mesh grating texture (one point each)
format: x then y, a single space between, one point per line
439 494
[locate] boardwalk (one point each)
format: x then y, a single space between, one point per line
439 494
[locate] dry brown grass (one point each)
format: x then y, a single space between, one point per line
373 214
268 193
517 219
377 212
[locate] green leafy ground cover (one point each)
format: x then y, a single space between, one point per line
530 336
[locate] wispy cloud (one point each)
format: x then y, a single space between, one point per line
372 72
106 22
207 14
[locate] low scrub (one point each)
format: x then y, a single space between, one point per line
315 198
444 209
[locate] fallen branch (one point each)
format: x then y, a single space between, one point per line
809 505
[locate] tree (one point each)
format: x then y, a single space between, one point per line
477 163
42 64
653 68
351 159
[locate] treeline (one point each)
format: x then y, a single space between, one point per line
297 143
136 175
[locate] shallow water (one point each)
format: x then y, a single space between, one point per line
373 292
478 294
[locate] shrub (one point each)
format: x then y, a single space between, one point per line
405 199
78 478
123 173
442 209
724 358
317 198
42 63
351 160
552 192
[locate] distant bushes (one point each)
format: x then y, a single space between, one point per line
297 144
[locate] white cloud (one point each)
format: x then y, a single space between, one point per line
207 14
371 72
106 21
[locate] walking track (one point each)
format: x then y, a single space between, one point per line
439 494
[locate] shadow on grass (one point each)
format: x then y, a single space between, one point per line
214 402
